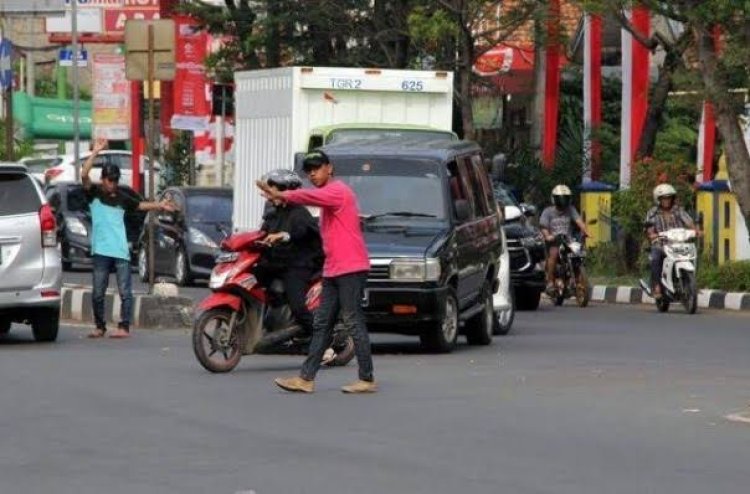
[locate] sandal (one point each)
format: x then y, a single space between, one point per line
97 333
120 334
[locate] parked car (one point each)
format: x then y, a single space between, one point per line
38 166
187 241
526 248
68 201
434 236
65 171
30 268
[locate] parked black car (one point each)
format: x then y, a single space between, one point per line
434 236
68 201
187 241
525 247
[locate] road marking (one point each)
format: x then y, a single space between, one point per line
704 298
623 295
743 418
733 300
597 293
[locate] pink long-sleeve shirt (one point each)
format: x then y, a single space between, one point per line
340 229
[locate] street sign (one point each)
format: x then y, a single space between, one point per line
137 49
66 58
6 68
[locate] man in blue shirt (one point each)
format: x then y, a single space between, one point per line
109 243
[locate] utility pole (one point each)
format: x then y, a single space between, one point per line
76 95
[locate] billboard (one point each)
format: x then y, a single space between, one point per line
104 19
111 99
9 7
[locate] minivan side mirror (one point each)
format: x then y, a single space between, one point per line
528 209
463 210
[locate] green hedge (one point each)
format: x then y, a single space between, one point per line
730 276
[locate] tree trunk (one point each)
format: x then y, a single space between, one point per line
658 105
537 119
273 39
738 159
466 64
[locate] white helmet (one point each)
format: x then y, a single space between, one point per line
663 190
561 196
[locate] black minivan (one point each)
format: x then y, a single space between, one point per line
433 231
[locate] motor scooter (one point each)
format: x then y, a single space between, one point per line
243 317
678 283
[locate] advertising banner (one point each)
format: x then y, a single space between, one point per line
101 20
191 103
111 98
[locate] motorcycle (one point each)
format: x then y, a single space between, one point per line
242 317
570 276
678 270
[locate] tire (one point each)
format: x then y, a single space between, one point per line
582 287
66 265
527 298
480 328
182 274
559 300
344 349
504 319
441 337
4 326
662 305
220 340
45 325
143 264
689 292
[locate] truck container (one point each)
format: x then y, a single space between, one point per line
279 113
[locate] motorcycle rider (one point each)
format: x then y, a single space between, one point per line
558 219
663 216
297 252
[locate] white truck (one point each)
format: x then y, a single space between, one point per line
285 111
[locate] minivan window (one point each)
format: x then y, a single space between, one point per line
18 195
395 184
480 172
458 186
209 208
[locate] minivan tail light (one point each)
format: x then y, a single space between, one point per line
51 173
49 226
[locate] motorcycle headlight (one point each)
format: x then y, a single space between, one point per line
197 237
415 270
76 226
219 276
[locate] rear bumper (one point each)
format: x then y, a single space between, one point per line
46 294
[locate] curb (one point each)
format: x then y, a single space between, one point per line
707 299
149 311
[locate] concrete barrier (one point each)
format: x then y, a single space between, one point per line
707 299
149 311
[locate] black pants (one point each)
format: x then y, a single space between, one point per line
295 282
342 296
657 260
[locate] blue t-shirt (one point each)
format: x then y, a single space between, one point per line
108 237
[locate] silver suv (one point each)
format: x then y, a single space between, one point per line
30 267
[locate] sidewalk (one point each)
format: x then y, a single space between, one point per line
707 299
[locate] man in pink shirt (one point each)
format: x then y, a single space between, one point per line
344 272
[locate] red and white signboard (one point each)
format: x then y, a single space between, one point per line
109 15
192 108
111 98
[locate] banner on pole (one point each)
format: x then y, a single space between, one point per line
111 99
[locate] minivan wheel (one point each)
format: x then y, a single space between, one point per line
143 264
181 268
45 324
504 318
527 298
479 328
441 337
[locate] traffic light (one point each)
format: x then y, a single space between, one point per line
222 95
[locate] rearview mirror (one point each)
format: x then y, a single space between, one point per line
499 163
463 210
528 209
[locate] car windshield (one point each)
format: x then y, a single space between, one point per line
504 195
386 185
349 135
206 208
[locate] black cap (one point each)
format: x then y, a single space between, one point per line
111 171
315 159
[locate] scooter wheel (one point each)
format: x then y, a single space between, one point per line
216 345
662 304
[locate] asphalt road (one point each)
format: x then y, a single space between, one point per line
605 400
